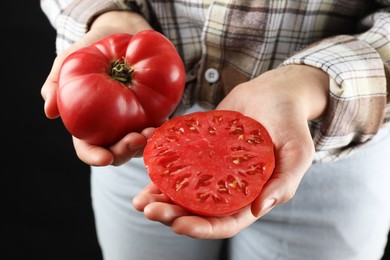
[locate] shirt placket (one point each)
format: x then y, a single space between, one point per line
212 51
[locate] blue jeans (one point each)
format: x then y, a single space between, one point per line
341 211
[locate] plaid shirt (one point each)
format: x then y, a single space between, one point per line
239 40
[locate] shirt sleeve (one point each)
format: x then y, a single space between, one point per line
72 18
358 104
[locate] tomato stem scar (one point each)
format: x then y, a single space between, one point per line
120 70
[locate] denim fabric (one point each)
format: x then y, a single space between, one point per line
341 211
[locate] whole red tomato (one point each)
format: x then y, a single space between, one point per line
211 163
120 84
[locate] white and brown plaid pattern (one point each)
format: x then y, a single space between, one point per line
349 39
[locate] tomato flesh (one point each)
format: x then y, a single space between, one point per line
211 163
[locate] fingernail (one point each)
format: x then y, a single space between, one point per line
268 205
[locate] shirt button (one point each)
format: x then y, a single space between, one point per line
211 75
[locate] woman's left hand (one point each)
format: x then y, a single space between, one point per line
283 100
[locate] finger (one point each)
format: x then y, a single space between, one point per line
293 159
213 228
49 90
52 78
148 195
92 154
151 188
164 213
147 132
128 147
141 201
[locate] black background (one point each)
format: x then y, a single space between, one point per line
45 187
46 206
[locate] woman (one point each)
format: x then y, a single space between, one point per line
312 72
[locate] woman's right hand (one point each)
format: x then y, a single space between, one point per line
132 144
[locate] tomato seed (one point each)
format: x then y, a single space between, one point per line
176 130
223 188
204 180
202 197
256 169
217 119
237 148
166 152
219 199
193 125
173 170
244 158
237 184
212 130
167 162
172 138
182 182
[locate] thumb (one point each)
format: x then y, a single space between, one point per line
292 161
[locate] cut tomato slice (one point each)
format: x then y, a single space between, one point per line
211 163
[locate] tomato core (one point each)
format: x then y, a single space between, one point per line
120 70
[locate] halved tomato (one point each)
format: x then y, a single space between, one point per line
211 163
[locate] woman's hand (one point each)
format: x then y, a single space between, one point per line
283 100
132 144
